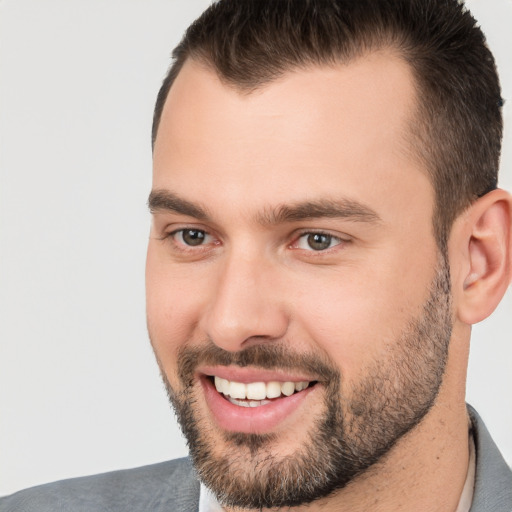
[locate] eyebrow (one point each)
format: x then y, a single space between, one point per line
163 200
324 208
167 201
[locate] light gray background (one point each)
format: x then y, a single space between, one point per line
79 390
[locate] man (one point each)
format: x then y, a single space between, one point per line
326 229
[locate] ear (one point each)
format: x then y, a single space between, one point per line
482 248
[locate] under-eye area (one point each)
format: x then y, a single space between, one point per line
255 394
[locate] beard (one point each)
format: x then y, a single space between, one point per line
358 425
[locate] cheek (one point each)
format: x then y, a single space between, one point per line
356 317
172 307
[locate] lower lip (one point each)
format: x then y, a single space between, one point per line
252 420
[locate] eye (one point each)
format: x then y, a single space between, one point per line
192 237
317 241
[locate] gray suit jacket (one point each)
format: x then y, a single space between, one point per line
173 487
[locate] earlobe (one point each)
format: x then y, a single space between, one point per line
488 253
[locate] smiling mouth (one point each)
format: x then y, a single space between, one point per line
256 394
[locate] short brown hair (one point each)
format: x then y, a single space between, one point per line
458 126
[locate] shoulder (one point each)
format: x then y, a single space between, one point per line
493 478
158 487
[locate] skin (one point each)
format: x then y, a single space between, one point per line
325 133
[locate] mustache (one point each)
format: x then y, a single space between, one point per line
268 356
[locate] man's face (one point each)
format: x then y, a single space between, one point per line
291 260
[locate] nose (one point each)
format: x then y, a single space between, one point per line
245 308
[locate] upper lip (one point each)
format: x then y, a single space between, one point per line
250 374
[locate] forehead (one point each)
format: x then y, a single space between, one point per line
308 133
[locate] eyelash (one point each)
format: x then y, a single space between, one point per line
306 234
182 246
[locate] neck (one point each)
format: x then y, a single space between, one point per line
425 471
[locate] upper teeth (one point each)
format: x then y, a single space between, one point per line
258 390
